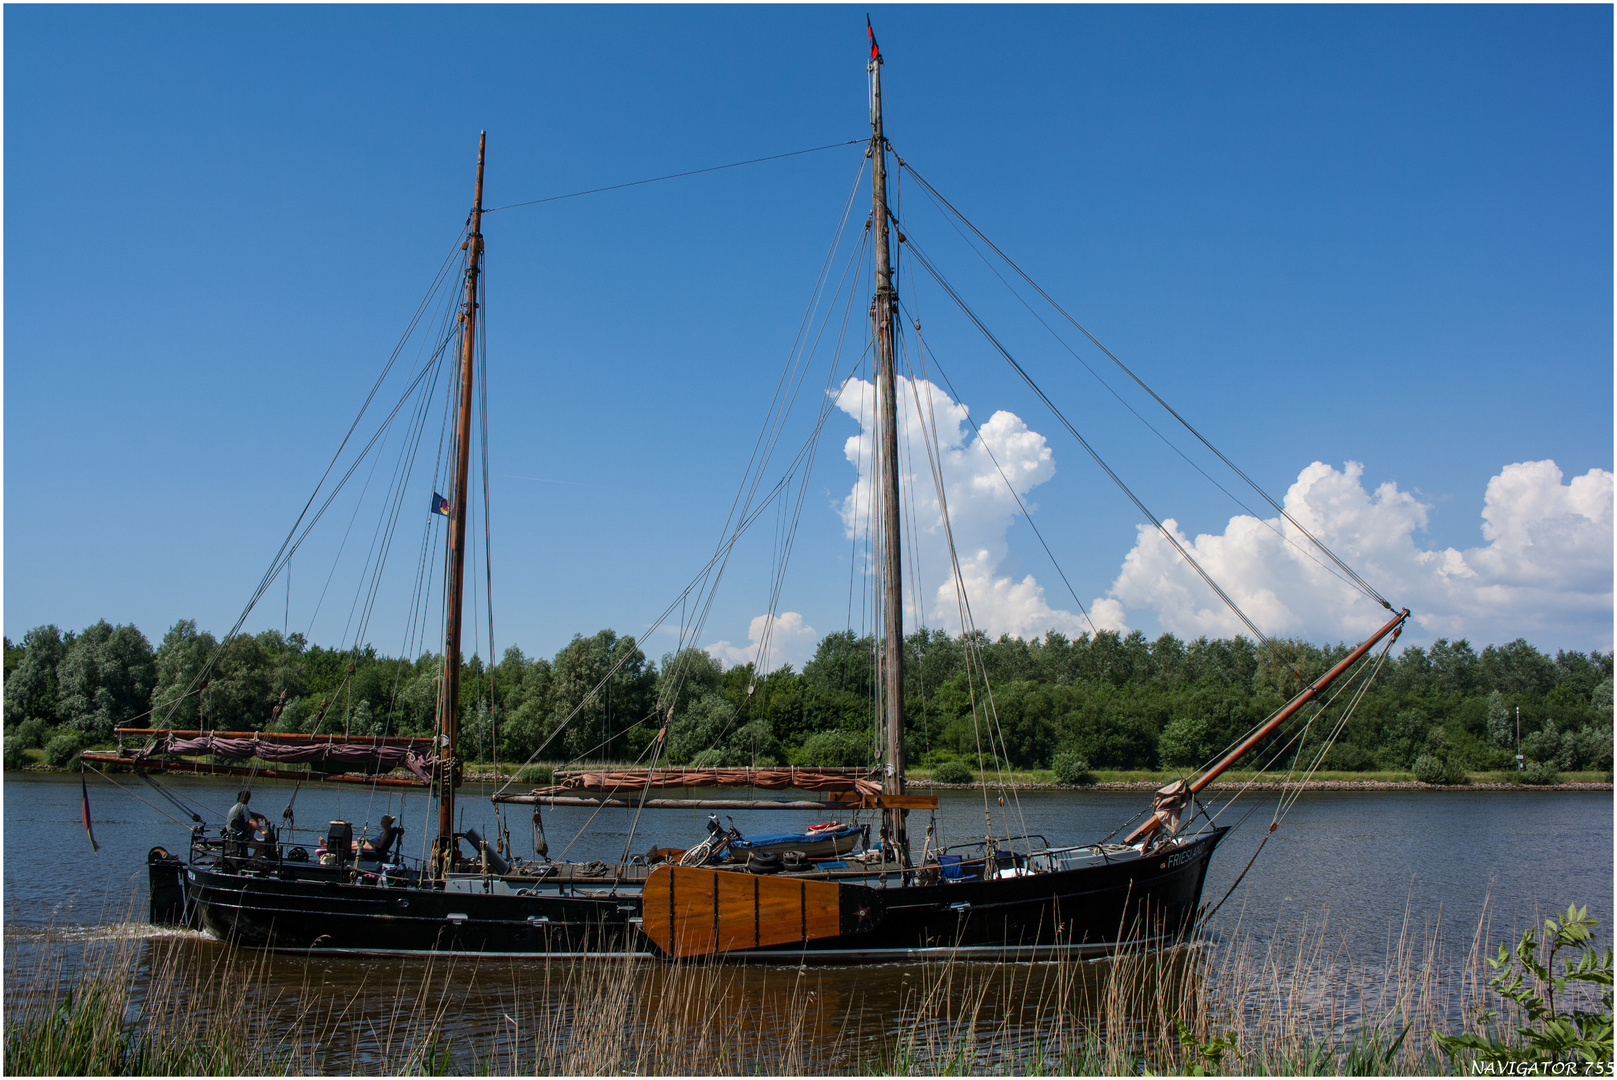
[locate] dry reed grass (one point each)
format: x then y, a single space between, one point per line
179 1004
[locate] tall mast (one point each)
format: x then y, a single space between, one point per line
887 431
456 561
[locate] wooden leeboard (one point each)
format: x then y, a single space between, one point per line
692 911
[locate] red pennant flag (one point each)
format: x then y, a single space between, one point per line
85 811
875 53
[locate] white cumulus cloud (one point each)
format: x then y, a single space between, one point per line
978 474
791 641
1544 571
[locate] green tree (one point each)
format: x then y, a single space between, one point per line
1184 743
600 717
179 661
835 749
32 688
1501 726
105 678
701 728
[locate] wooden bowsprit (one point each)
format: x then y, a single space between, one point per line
693 911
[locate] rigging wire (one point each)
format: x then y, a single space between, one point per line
943 283
927 353
300 530
183 824
1343 566
1170 444
674 176
935 461
786 389
761 505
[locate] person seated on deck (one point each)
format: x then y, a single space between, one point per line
382 845
244 826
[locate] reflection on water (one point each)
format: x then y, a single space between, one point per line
1357 897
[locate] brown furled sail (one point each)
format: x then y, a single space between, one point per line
208 768
329 750
864 781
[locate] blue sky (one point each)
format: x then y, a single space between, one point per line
1327 234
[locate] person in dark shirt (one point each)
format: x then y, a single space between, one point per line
243 824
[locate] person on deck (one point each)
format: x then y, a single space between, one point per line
383 843
243 825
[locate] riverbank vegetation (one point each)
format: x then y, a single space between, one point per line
179 1003
1081 708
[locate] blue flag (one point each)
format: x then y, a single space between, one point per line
440 505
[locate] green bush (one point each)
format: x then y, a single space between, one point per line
1428 769
834 748
1072 769
953 772
15 758
1540 772
1184 743
34 733
63 750
1348 757
1568 1031
537 775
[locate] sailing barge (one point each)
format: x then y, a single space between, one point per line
830 893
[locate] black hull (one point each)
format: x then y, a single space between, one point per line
1086 910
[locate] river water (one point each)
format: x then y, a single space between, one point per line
1351 873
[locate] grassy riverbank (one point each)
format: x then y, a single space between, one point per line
1104 779
176 1004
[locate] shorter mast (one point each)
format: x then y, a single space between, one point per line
449 717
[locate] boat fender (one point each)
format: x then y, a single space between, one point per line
482 847
795 860
764 862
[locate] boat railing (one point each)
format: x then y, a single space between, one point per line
997 840
274 853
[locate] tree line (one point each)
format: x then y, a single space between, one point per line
1107 701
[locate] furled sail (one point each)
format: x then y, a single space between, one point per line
866 781
369 753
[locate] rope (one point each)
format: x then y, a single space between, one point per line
948 289
1362 584
171 797
1284 804
293 538
673 176
935 462
949 385
137 798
